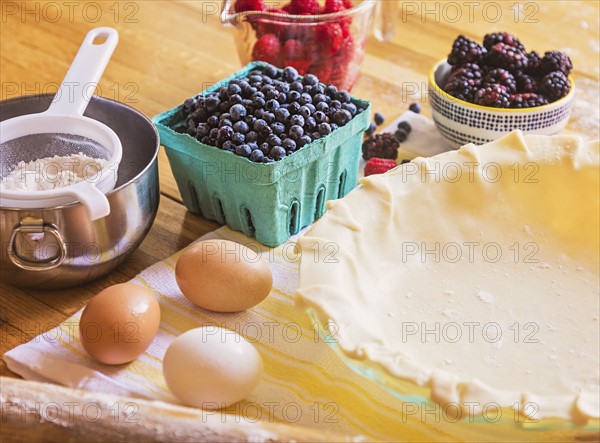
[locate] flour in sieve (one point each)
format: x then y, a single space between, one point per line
52 173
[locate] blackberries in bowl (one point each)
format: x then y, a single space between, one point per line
500 73
269 114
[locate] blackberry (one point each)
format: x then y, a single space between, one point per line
555 61
470 72
502 37
381 146
502 77
534 61
379 118
496 96
461 89
527 100
504 56
526 83
464 51
555 85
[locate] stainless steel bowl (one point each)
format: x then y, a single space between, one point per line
58 247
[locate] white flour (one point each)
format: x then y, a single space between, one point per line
52 172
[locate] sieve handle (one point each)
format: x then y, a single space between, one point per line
94 200
85 72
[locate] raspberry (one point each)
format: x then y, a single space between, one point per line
333 6
301 7
555 85
267 48
348 4
379 166
381 146
465 51
249 5
331 36
555 61
293 50
527 100
502 37
504 56
496 96
502 77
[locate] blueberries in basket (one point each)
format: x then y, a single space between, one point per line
269 114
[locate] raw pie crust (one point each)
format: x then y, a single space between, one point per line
474 273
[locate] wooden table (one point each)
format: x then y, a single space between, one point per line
170 50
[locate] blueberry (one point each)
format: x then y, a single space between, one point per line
251 137
233 89
273 140
289 74
272 105
405 125
296 132
350 107
297 86
270 71
202 129
235 99
320 117
311 107
250 119
379 118
342 117
304 140
324 128
343 96
224 133
269 117
227 145
322 106
281 115
305 99
265 131
268 160
189 105
259 113
371 129
293 96
237 112
213 120
401 135
272 94
265 148
225 122
316 135
297 120
243 150
304 111
415 107
267 80
282 87
278 128
241 127
258 102
310 79
257 156
335 104
238 138
214 133
257 94
282 98
258 124
277 153
331 90
294 107
334 126
289 145
318 98
311 123
223 95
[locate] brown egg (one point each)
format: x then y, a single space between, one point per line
119 323
223 276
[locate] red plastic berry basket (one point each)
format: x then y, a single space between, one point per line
329 44
268 201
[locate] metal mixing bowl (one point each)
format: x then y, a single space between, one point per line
58 247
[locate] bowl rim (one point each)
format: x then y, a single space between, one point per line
228 17
437 88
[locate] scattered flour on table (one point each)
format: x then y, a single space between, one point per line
51 173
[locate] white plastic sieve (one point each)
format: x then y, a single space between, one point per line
65 116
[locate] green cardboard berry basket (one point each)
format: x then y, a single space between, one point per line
268 201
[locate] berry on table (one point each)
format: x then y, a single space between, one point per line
379 118
415 107
401 135
405 126
371 129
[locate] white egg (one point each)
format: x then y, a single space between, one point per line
211 367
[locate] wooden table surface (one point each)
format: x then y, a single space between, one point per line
170 50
